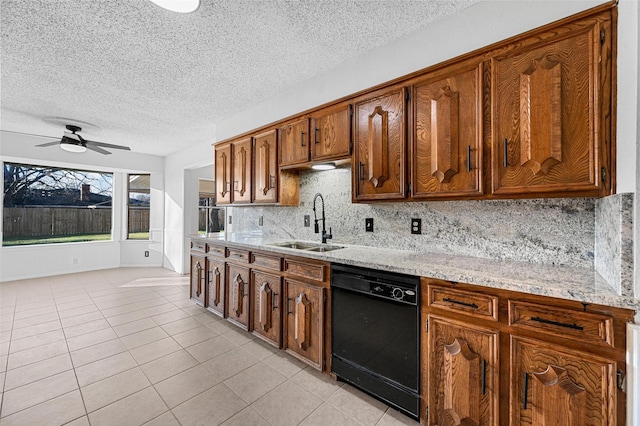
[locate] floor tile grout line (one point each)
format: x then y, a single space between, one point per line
6 367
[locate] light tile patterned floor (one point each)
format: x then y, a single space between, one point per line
127 346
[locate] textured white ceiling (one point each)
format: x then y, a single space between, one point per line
131 73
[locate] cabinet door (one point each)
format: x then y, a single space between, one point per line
223 174
545 117
267 301
379 160
304 305
331 133
241 184
265 167
447 133
553 386
198 279
294 143
462 384
216 293
238 295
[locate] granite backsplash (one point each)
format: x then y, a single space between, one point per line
579 232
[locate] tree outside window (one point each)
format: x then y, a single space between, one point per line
44 205
139 202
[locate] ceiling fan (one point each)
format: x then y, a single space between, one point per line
71 141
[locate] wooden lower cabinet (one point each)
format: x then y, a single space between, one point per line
551 385
304 323
498 357
463 373
198 279
267 307
238 286
216 285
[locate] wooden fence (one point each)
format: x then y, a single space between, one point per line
40 221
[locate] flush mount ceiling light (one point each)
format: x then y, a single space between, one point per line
180 6
324 166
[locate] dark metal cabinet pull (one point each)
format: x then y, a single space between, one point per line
302 139
288 300
573 326
506 152
468 158
317 131
360 171
274 300
459 302
526 390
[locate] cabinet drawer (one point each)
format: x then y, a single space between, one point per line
467 302
305 269
199 246
261 260
238 255
220 251
562 322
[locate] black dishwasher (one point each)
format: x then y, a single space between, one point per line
374 334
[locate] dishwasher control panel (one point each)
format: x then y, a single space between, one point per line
391 291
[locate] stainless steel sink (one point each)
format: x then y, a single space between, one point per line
297 245
325 248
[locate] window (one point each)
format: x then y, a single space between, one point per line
139 201
45 205
210 217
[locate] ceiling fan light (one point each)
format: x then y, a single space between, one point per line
71 147
180 6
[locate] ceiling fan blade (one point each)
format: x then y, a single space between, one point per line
96 149
49 143
106 145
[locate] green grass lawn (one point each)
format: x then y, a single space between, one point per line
52 240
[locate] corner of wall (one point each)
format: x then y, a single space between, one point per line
614 242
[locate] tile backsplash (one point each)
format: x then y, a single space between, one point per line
559 231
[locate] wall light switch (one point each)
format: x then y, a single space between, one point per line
368 224
307 221
229 220
146 253
261 220
416 226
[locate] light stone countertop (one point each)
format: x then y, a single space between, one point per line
581 284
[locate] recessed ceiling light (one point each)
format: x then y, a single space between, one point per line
180 6
324 166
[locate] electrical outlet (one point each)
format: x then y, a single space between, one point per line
146 253
368 224
307 221
416 226
229 220
260 220
75 260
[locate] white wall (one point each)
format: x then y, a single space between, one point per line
36 261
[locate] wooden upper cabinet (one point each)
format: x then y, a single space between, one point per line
223 173
446 133
545 113
380 147
331 133
463 373
265 167
241 160
553 386
294 142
